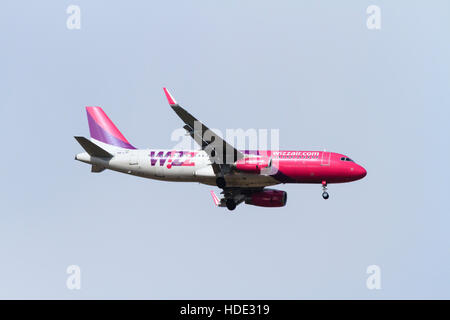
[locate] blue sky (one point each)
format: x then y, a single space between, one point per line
311 69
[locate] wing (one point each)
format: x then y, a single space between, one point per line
221 153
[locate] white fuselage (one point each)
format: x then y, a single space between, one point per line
171 165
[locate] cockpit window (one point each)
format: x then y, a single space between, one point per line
346 159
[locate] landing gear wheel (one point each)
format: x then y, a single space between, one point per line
231 205
325 194
221 183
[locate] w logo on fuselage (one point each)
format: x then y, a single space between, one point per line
173 158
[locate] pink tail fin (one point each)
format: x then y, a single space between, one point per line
104 130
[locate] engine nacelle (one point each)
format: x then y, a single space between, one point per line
252 164
268 198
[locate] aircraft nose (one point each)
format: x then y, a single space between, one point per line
360 172
357 172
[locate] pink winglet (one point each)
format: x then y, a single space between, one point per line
215 199
169 97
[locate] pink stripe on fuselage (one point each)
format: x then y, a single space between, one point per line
103 121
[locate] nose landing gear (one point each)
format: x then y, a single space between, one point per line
325 194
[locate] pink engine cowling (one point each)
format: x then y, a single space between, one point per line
268 198
252 164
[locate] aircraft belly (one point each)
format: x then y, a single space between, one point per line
250 180
178 173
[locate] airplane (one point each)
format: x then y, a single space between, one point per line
243 175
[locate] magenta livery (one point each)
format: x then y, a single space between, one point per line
103 129
243 175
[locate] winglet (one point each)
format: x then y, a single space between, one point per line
169 97
215 199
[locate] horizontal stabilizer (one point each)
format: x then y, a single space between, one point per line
93 149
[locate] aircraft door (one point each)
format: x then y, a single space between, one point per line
134 159
325 158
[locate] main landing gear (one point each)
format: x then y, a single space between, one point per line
231 205
325 194
221 183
